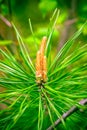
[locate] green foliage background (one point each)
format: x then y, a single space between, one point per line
21 105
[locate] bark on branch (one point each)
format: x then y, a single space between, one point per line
8 23
67 114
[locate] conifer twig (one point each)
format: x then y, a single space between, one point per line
6 21
67 114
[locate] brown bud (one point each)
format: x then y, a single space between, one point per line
41 68
43 45
44 69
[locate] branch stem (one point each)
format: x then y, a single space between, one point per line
67 114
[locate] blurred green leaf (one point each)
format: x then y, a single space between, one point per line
4 9
5 42
47 5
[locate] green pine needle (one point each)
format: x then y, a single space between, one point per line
24 104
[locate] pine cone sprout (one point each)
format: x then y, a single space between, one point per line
41 67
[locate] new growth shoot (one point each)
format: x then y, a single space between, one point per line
41 67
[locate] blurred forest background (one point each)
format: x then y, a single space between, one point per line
73 13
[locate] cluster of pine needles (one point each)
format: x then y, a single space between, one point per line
29 105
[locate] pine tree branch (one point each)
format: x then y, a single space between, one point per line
68 28
67 114
5 21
